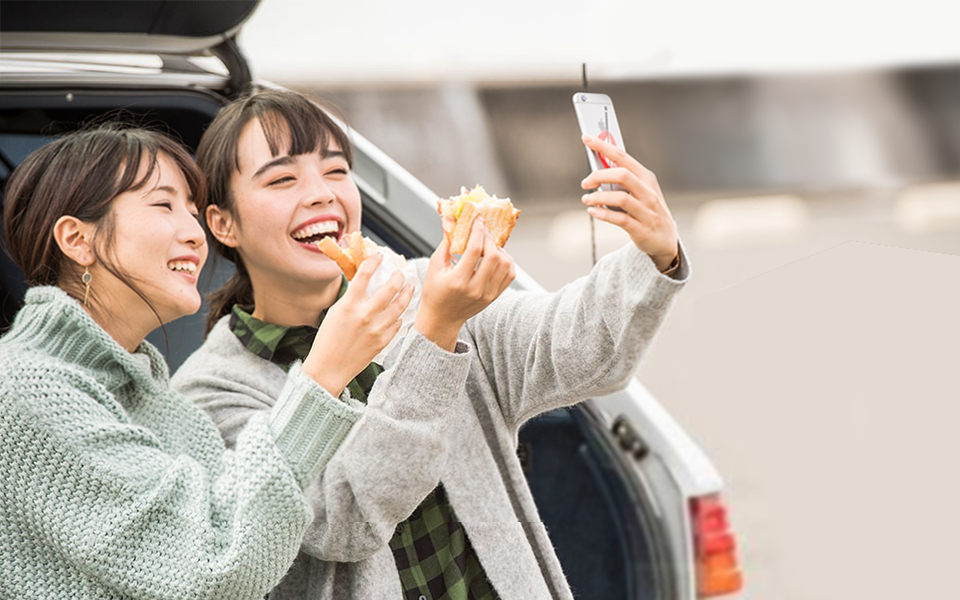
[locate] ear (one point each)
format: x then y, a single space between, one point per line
73 237
221 224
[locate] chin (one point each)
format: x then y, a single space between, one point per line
186 306
328 272
192 306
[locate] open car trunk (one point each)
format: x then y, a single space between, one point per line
614 514
605 531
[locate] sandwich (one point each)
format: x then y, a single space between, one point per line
354 250
498 214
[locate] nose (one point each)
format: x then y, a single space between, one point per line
191 231
319 192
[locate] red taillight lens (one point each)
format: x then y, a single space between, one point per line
718 571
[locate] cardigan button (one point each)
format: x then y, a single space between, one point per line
422 597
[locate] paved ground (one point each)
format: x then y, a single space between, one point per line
814 357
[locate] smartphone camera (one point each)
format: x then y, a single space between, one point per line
583 98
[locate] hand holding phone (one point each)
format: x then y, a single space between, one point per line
597 119
641 211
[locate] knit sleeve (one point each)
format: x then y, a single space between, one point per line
541 351
392 457
309 424
102 502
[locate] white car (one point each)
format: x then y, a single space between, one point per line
632 505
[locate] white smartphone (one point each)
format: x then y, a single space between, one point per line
598 119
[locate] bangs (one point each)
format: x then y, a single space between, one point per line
292 138
133 161
293 125
143 150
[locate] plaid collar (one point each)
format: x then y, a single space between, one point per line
283 345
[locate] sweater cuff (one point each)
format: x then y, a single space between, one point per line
640 267
309 424
425 370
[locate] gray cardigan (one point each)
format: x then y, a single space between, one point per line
452 418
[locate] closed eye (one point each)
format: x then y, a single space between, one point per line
164 204
281 180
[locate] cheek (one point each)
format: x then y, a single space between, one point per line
350 196
254 218
204 253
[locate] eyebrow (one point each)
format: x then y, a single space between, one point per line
334 154
287 160
282 161
172 191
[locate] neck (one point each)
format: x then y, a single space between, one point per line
280 305
121 313
129 328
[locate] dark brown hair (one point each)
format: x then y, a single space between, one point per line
80 175
291 123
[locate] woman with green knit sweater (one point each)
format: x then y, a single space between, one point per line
111 484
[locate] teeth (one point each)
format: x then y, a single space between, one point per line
316 229
183 266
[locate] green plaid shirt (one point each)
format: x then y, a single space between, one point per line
434 556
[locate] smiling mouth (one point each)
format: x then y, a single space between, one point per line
182 266
313 233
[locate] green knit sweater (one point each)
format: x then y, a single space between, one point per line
113 486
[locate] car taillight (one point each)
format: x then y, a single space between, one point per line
718 571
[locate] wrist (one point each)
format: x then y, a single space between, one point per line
325 378
667 263
441 333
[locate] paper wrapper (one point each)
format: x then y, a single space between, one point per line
388 356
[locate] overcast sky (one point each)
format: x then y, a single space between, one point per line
349 41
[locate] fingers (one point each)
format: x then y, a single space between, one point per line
492 258
495 273
509 273
474 250
617 155
358 285
441 256
383 296
620 219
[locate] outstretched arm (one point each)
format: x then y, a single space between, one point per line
542 351
643 211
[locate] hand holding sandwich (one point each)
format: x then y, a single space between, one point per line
454 292
646 218
356 328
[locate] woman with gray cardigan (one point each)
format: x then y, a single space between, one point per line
426 498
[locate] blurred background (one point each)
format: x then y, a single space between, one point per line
810 153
